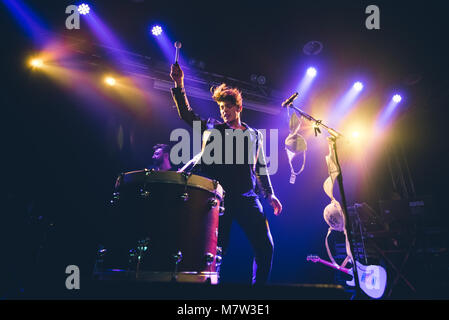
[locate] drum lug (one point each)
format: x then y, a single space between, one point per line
209 258
218 256
177 257
221 210
144 193
218 260
186 175
212 203
215 184
184 196
136 256
142 246
101 252
115 197
148 172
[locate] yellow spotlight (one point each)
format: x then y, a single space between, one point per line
36 63
110 81
356 134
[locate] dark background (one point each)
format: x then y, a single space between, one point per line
60 153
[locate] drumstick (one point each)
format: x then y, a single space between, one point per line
178 46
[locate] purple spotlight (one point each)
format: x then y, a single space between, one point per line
311 72
397 98
358 86
387 116
156 31
83 9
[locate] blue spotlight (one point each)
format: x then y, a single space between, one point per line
83 9
397 98
358 86
30 22
311 72
156 31
387 115
346 102
305 84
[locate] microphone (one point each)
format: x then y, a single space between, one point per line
289 101
178 46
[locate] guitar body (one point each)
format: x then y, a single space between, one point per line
372 279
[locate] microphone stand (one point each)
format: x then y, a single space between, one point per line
334 135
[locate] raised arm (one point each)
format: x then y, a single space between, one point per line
185 112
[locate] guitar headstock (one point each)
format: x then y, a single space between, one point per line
313 258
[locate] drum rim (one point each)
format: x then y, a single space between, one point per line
218 191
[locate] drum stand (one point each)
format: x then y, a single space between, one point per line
177 259
142 248
334 135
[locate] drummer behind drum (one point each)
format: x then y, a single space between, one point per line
240 181
161 158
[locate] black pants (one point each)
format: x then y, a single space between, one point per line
248 213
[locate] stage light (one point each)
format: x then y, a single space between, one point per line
355 134
397 98
36 63
110 81
304 85
311 72
29 21
312 48
261 80
156 31
83 9
346 103
387 115
358 86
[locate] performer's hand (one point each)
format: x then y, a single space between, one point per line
177 75
275 203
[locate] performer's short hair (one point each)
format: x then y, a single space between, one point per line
223 93
165 147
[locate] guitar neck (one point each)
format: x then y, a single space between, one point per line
347 271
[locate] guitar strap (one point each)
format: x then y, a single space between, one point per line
346 260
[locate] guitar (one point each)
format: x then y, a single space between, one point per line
372 278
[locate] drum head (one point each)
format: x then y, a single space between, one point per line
171 177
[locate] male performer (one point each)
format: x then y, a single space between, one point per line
161 158
238 180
